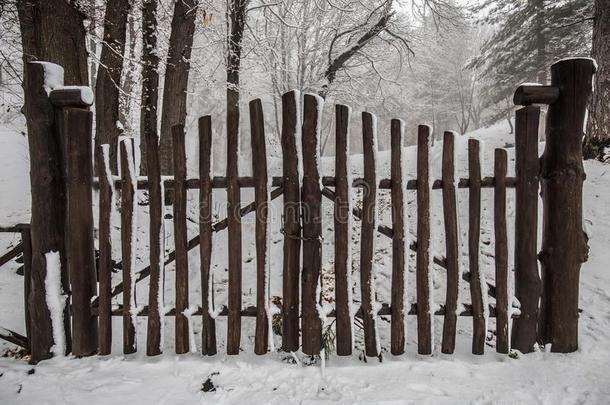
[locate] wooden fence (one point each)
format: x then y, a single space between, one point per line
548 305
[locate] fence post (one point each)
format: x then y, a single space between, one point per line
48 200
564 245
74 122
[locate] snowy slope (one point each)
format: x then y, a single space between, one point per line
536 378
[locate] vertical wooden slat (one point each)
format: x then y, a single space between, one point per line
342 219
451 244
474 230
367 235
234 231
292 223
180 241
311 201
208 333
424 317
128 180
105 248
27 279
80 250
261 199
527 278
501 249
397 329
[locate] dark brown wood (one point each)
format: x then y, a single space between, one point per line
261 199
208 326
311 202
105 248
342 220
367 234
564 243
180 241
149 165
533 94
424 318
292 223
399 239
477 279
48 204
327 181
11 254
452 257
14 228
527 279
80 250
26 241
14 338
128 177
71 97
501 250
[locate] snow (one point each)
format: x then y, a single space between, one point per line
53 76
536 378
55 301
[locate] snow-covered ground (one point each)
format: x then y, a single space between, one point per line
540 378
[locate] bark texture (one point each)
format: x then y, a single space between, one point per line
597 137
176 77
109 77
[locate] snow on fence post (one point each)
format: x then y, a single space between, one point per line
527 279
261 197
48 199
478 287
424 312
451 243
128 243
180 240
106 188
76 127
291 221
399 238
501 250
367 235
564 243
342 219
208 324
311 201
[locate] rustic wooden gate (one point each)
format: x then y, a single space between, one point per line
548 310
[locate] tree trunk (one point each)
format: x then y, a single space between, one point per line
597 137
130 76
53 31
176 77
109 78
150 81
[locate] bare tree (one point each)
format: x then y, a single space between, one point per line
177 70
107 87
597 137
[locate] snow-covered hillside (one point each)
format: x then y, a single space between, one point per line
540 377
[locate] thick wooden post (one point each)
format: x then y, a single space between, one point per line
80 251
527 279
292 223
343 222
48 202
26 240
262 200
180 241
501 250
564 243
311 202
